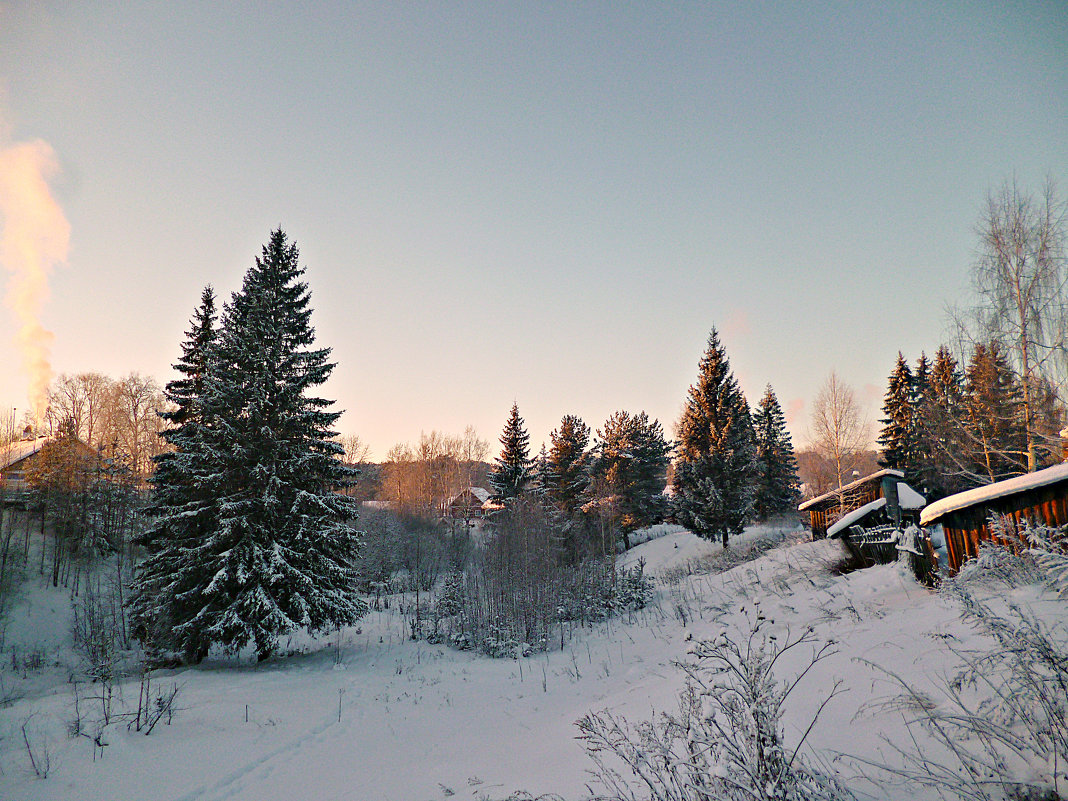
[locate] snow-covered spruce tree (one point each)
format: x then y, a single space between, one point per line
569 462
629 470
715 473
898 435
939 424
513 470
280 554
778 488
182 512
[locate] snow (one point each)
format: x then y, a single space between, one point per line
908 498
427 723
849 519
998 489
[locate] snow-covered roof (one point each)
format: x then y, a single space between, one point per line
859 482
908 498
17 451
999 489
845 521
480 494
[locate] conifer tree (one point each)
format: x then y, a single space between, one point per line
543 480
897 438
280 553
513 470
939 425
629 471
569 463
714 482
995 429
182 513
778 486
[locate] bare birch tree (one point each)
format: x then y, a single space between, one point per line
839 431
1020 278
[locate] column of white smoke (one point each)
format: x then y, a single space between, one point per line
34 237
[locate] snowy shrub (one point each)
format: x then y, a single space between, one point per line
1049 548
726 740
518 595
1000 724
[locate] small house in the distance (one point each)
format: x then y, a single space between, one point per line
468 504
1039 498
882 497
15 458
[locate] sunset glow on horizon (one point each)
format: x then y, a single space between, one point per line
550 205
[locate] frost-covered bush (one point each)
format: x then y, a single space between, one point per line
999 725
518 595
725 741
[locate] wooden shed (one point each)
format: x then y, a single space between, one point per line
1036 498
902 503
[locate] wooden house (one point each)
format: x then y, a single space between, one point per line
1039 498
15 459
882 497
468 504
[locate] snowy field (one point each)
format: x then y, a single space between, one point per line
422 722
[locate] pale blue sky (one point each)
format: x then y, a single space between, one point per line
546 203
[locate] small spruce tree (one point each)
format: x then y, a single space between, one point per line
181 511
715 473
898 435
512 473
569 463
778 486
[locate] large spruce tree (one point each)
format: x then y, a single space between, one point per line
714 482
778 486
279 554
513 471
898 437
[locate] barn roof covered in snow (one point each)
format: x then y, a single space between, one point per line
999 489
848 487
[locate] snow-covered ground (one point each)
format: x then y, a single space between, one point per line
421 722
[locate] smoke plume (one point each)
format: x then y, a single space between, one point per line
34 237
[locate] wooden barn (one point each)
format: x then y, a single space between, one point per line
882 497
1036 498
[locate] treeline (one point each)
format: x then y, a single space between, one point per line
993 407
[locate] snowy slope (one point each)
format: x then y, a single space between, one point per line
423 722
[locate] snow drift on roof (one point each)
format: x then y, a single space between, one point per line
999 489
846 521
908 498
848 487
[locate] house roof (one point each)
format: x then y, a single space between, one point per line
845 521
480 494
17 451
859 482
999 489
